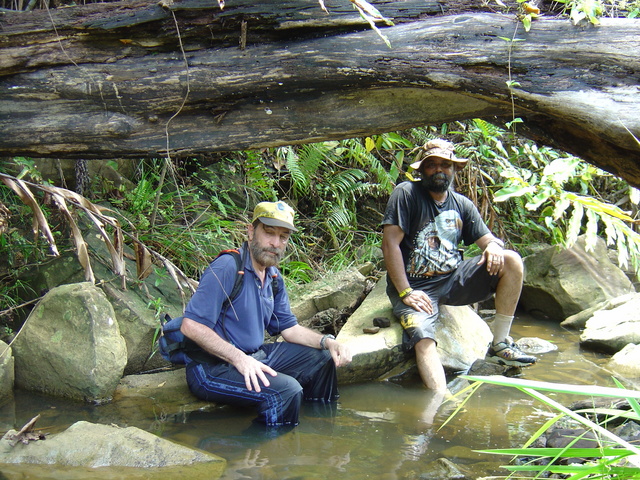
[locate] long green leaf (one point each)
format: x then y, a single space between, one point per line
589 390
605 208
566 452
513 191
584 421
472 389
575 223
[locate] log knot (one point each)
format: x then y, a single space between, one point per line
116 126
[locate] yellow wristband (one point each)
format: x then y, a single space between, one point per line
405 292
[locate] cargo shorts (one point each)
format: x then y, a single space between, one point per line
467 284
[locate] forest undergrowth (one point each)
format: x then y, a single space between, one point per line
175 216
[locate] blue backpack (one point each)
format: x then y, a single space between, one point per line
178 349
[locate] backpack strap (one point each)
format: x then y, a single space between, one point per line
237 284
275 286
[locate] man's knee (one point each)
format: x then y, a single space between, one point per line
513 262
425 345
281 401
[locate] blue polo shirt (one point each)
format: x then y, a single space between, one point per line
254 310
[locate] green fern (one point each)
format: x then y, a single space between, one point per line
346 183
362 155
300 182
258 178
337 219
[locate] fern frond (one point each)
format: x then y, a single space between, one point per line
369 162
257 176
591 232
347 181
339 217
299 180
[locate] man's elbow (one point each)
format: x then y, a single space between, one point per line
187 327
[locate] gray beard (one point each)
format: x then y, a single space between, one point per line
437 183
263 258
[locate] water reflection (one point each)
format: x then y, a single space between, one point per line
377 431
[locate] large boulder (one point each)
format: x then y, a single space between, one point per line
86 450
611 330
70 346
138 326
136 318
341 291
7 375
461 334
373 355
559 283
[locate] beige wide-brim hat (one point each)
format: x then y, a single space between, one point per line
437 148
275 214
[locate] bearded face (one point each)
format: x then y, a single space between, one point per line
438 182
263 250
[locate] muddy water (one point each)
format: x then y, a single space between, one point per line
377 431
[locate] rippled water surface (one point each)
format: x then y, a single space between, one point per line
377 430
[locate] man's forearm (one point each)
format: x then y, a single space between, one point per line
396 268
302 336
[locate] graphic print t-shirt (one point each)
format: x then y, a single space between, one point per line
432 233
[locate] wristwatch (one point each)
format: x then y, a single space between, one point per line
323 341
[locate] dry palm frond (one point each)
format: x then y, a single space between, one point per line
4 218
39 220
62 198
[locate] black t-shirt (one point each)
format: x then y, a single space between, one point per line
432 233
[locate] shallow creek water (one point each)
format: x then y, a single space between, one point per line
377 430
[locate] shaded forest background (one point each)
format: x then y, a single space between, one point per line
189 209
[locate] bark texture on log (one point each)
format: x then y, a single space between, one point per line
115 82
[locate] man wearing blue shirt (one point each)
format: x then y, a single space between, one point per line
237 367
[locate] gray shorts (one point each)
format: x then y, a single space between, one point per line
468 284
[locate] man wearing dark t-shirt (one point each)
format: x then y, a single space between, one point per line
424 223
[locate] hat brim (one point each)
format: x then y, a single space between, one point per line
459 162
273 222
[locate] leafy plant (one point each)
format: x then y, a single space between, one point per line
296 271
528 11
333 176
68 204
561 193
590 10
614 459
633 8
257 177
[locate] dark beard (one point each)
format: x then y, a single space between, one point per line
437 183
262 255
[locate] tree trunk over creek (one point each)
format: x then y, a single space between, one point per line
117 80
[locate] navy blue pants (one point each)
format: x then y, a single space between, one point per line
303 373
